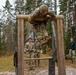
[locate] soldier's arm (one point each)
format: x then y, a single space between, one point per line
51 15
35 14
26 47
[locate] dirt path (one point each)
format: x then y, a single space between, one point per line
69 71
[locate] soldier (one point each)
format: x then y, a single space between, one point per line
72 49
29 49
37 48
41 14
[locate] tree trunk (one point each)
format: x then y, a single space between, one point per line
9 39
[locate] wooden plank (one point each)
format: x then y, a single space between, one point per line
20 51
60 47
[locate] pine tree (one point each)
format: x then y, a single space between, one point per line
31 5
67 8
7 29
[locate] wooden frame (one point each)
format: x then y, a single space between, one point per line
59 44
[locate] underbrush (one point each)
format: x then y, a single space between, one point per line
6 62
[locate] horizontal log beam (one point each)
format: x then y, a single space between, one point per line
25 17
59 17
45 58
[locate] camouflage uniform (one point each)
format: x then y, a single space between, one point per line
29 49
37 48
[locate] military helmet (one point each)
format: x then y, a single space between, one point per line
44 8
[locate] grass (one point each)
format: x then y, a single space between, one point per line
6 62
69 63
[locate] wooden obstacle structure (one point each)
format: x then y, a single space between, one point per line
59 44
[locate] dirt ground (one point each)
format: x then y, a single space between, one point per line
43 68
69 71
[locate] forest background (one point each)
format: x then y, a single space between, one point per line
8 25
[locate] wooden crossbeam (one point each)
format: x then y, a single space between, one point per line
28 18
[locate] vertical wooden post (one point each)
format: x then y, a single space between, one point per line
20 52
51 67
60 46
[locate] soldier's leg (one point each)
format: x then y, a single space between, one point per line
35 56
38 57
30 61
27 56
70 53
73 55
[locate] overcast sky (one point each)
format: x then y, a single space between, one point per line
2 3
